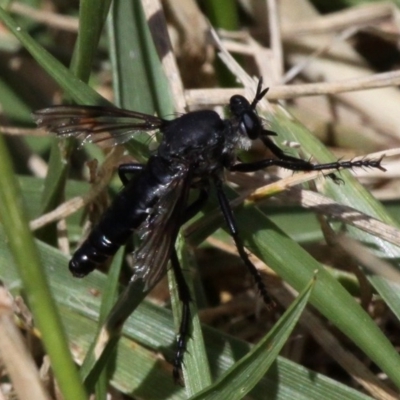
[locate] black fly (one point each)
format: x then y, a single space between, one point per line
194 151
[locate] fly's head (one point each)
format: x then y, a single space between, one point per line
248 122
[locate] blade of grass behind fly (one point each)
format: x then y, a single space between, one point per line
130 72
138 80
130 79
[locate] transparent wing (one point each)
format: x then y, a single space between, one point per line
106 126
160 231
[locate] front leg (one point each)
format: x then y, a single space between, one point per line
305 165
279 153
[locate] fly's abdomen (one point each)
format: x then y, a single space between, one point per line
95 250
126 214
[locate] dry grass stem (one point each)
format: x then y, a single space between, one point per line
16 357
364 15
62 22
323 205
346 214
71 206
16 131
276 40
213 97
158 28
366 258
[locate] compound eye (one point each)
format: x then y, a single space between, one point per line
250 125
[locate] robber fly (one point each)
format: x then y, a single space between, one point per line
195 150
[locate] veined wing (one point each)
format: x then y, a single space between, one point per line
159 232
106 126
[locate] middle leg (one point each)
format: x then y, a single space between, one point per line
233 230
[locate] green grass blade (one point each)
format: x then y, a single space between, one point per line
139 82
12 104
28 262
246 373
74 87
223 14
92 17
108 299
106 339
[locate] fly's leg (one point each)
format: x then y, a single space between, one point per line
233 230
183 290
125 169
184 327
306 166
278 152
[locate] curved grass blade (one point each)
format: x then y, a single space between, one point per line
246 373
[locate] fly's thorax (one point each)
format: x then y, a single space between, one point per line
197 139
